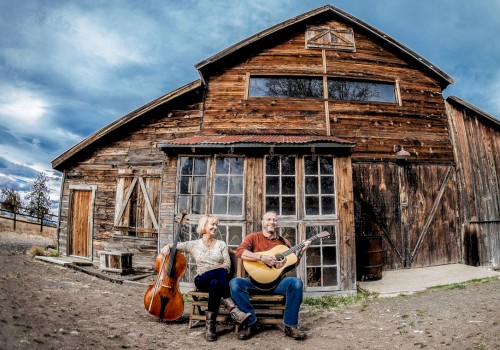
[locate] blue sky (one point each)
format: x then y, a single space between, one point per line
68 68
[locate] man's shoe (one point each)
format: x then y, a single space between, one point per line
295 333
247 332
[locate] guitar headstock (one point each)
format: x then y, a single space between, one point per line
323 234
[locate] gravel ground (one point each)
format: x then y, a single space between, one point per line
46 306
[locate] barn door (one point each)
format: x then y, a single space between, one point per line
80 233
413 208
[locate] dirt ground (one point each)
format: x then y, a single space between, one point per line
46 306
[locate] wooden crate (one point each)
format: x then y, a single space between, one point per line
115 261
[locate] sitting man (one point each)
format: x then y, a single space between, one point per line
290 287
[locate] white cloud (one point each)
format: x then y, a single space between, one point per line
21 107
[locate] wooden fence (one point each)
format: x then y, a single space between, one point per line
50 220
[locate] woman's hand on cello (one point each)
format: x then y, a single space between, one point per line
166 249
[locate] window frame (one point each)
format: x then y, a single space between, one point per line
395 83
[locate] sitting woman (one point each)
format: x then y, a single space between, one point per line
213 264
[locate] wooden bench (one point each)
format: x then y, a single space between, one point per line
268 308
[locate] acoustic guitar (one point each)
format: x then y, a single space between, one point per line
267 277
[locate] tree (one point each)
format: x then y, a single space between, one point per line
11 200
39 199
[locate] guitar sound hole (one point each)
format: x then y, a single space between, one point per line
279 257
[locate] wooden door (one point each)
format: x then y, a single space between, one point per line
80 232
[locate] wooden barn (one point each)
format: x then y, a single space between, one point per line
322 118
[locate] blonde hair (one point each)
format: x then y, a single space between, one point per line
203 222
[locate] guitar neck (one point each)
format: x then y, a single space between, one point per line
298 247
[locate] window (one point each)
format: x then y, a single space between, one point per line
280 184
192 189
321 259
228 188
357 90
319 186
339 89
295 87
211 185
137 200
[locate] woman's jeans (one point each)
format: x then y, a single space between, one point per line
215 282
290 287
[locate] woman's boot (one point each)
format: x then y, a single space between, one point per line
211 319
236 314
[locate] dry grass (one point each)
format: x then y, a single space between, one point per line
41 251
25 228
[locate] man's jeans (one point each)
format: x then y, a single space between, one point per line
290 287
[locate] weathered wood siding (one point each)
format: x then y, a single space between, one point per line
477 154
419 123
134 152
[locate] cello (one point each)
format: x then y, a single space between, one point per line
163 299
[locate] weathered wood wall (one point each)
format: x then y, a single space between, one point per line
133 151
419 123
477 153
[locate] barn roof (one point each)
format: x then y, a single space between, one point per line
475 109
56 163
243 143
205 67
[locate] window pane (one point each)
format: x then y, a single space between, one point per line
272 166
288 166
327 205
221 183
200 166
222 166
313 256
312 206
235 236
312 185
288 206
288 185
237 166
311 165
220 205
289 233
329 276
186 165
199 185
327 185
352 90
272 185
235 205
330 255
221 233
236 185
326 165
273 203
198 205
313 277
295 87
183 203
184 184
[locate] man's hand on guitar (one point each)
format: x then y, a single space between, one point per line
270 260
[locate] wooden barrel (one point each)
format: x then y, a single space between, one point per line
369 258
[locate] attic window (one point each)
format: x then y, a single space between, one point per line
323 37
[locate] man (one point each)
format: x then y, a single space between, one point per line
290 287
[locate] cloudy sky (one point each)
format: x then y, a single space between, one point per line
68 68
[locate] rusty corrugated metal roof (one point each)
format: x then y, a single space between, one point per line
254 139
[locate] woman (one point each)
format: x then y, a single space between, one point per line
212 272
